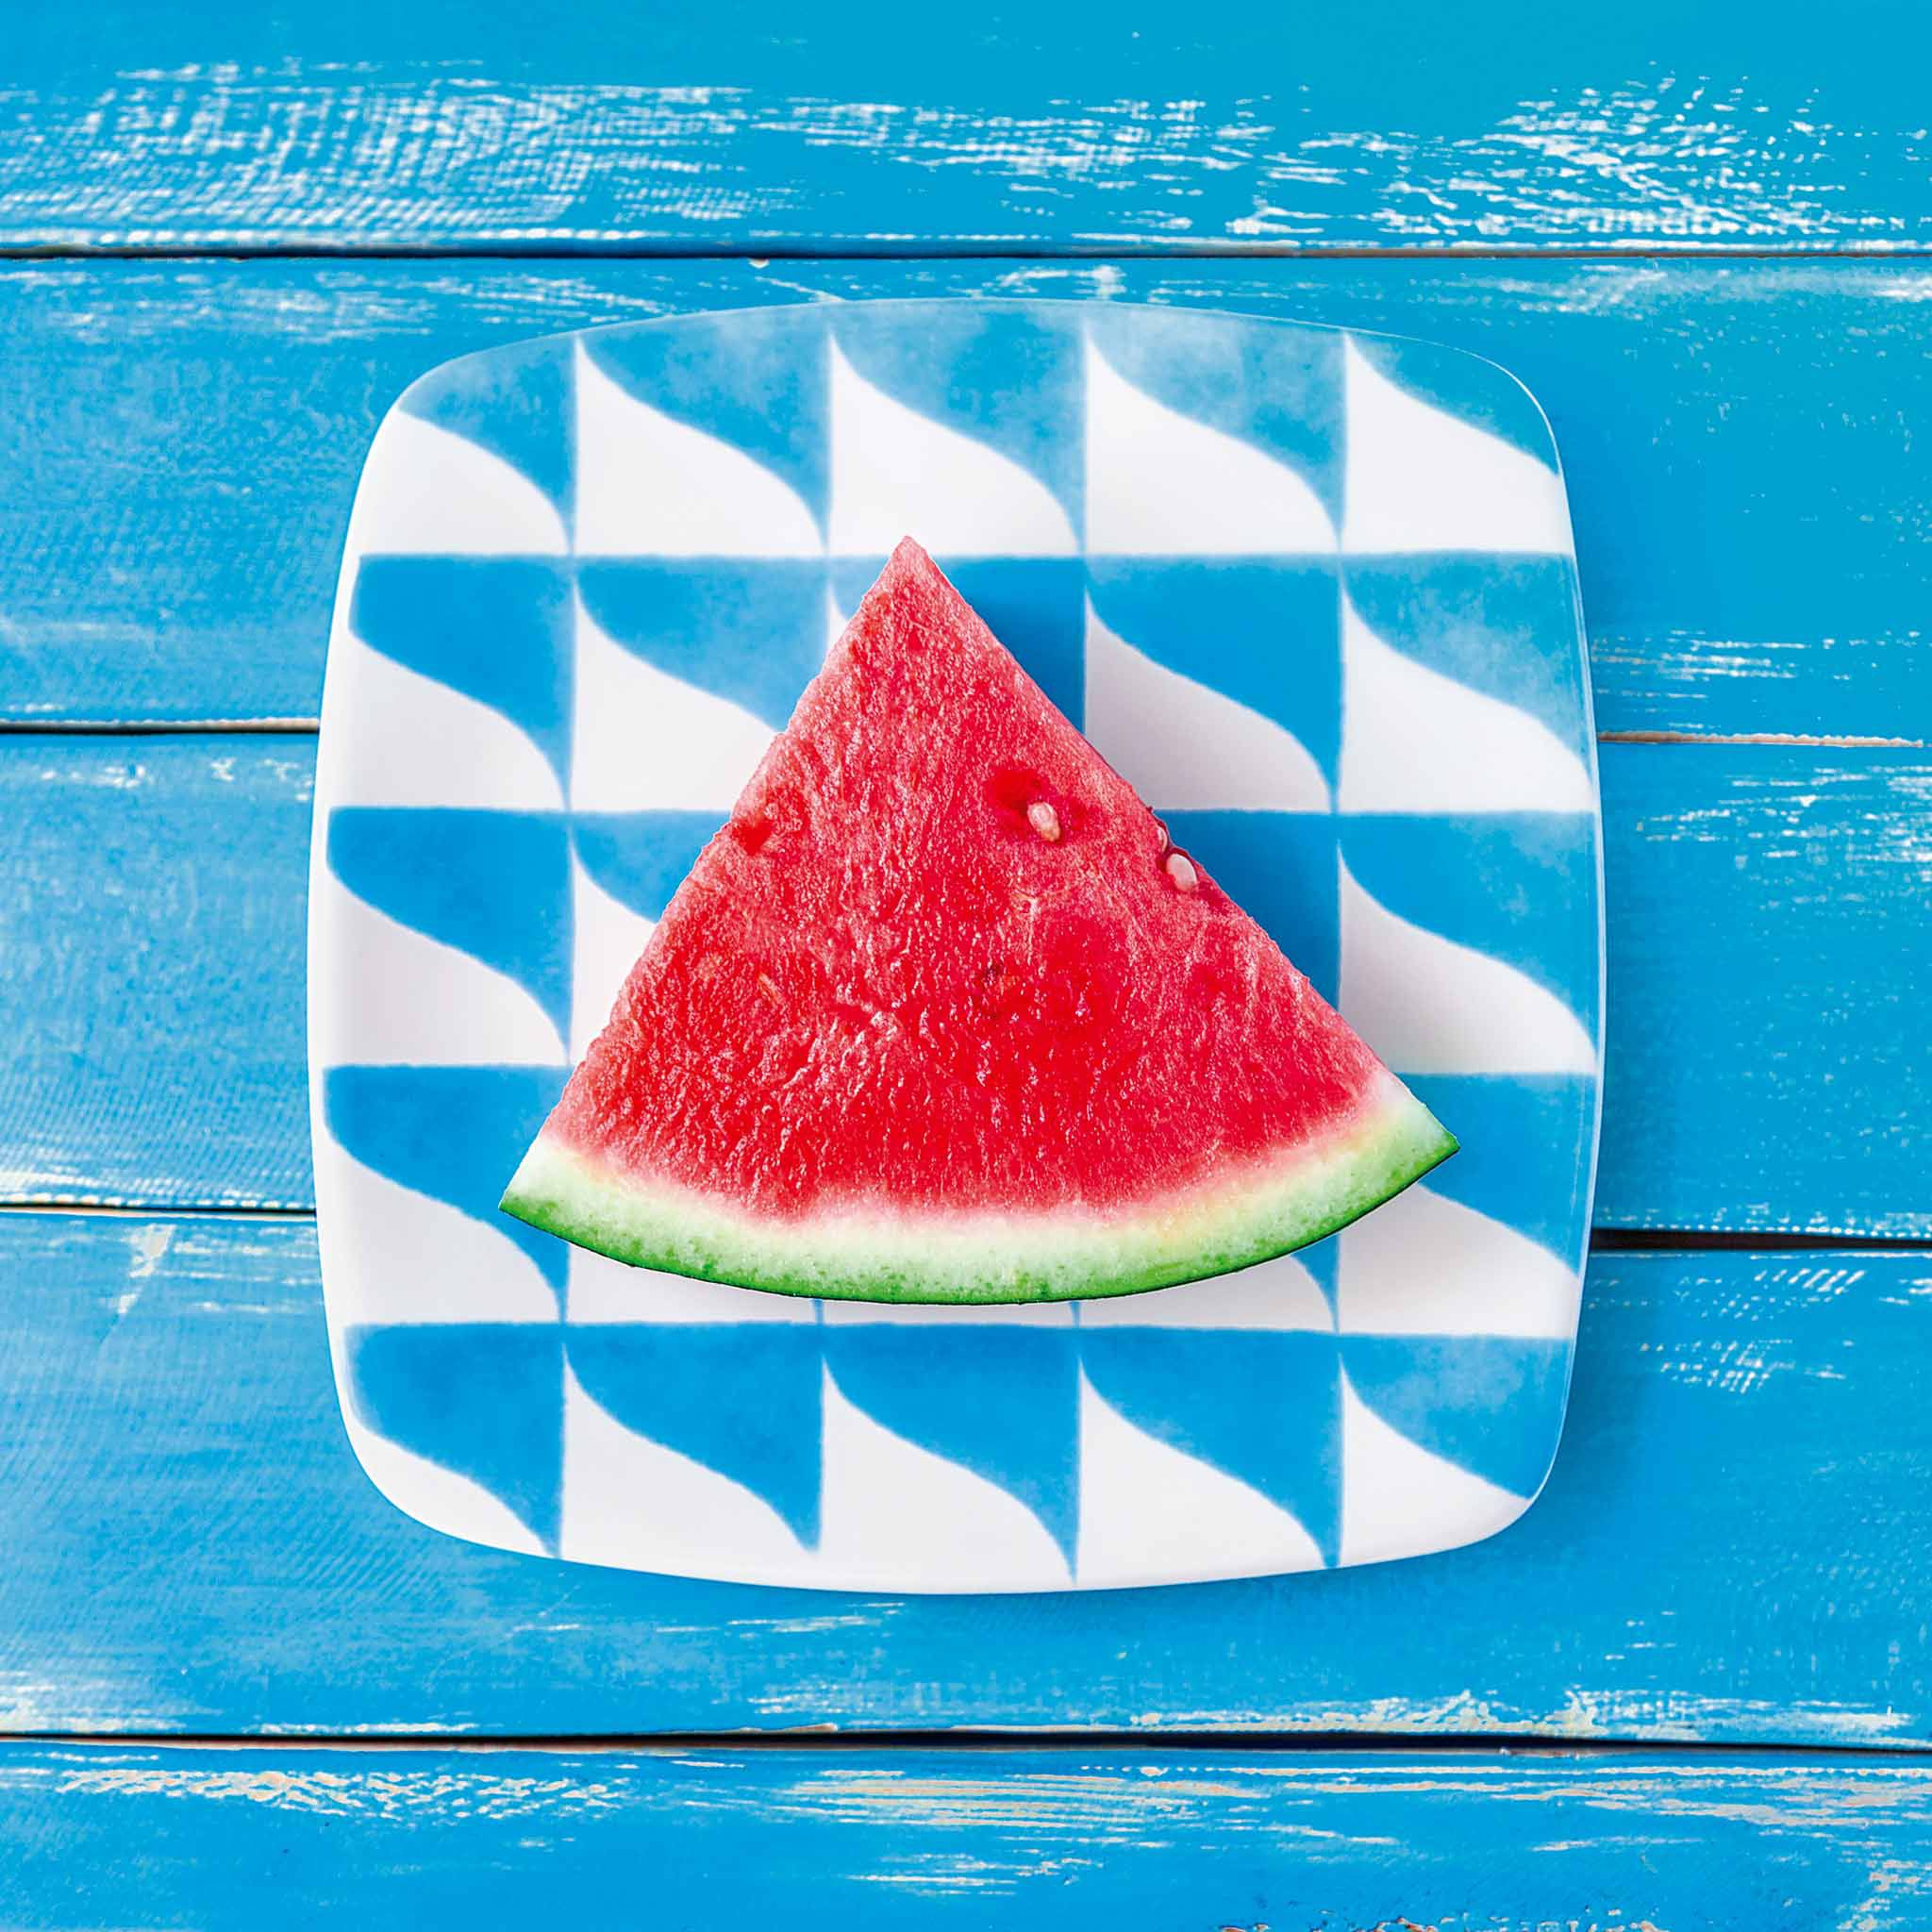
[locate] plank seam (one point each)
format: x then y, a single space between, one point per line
824 1741
1820 741
156 727
993 249
1602 1240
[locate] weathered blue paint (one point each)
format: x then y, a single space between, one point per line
1646 126
1078 1841
151 980
1768 962
1728 1549
1749 514
1732 1545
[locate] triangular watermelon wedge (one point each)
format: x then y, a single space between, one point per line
940 1016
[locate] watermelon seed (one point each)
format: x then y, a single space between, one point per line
1165 842
768 988
1180 869
1044 820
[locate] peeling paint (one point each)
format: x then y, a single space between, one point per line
332 155
1617 1842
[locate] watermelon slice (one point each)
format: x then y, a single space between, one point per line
939 1015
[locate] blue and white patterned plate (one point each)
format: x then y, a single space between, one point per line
1311 592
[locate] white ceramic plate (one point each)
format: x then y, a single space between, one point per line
1311 592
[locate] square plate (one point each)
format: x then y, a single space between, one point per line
1311 592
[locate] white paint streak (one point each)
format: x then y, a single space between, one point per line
150 1244
338 155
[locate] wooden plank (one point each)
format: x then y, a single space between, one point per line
191 1547
1645 127
1767 1070
126 1837
152 897
1748 498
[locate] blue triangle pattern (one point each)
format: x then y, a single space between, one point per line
492 884
1478 620
1526 1146
453 1133
640 857
1278 389
498 629
1001 1399
744 1398
514 402
1279 867
1008 376
1261 1405
1267 632
1464 386
1490 1404
482 1398
1036 605
755 381
751 630
1320 1260
1489 881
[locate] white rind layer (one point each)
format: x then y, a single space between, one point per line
857 1253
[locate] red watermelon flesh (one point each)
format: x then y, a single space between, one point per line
940 1016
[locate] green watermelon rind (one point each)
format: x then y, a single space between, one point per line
987 1259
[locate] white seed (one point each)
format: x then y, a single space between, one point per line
1160 827
1180 869
1044 820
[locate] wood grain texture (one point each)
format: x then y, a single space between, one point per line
179 444
141 123
151 892
1728 1550
126 1837
1767 1067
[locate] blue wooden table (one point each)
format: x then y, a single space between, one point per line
1691 1688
